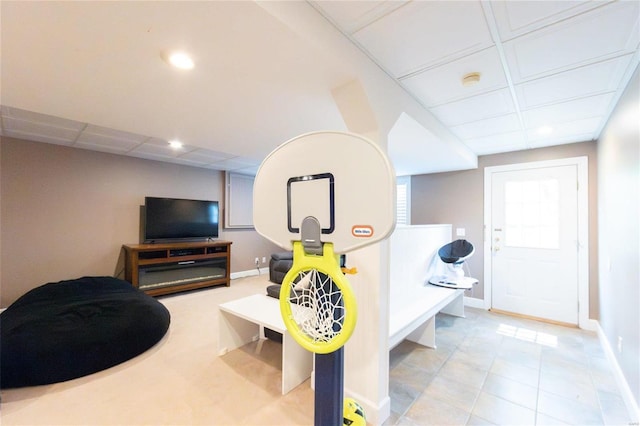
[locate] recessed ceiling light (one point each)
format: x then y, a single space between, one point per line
175 144
179 60
471 79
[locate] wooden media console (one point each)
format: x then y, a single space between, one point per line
165 268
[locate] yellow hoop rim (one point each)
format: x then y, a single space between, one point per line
326 264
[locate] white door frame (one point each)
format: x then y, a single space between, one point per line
583 228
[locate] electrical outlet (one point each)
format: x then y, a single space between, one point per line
264 259
619 344
257 261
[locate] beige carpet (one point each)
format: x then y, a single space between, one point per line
180 381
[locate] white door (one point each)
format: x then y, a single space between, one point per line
534 242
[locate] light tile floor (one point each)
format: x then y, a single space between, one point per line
490 368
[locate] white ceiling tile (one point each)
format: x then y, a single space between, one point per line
109 140
41 130
487 105
598 78
442 84
35 137
353 15
248 170
42 119
160 148
30 125
205 156
491 126
424 34
597 35
234 163
567 131
593 106
497 143
100 145
150 156
515 18
561 140
109 133
188 162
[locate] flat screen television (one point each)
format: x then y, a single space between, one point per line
174 219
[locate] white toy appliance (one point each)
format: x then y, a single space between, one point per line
447 270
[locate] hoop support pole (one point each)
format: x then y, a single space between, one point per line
329 393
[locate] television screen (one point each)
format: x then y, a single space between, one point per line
177 219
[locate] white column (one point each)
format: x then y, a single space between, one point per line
366 366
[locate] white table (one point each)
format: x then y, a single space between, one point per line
243 321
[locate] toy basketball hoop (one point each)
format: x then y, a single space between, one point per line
321 195
343 180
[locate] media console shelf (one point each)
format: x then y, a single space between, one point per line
165 268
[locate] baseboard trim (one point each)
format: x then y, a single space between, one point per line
248 273
473 302
590 325
621 381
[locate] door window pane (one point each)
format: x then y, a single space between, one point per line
532 214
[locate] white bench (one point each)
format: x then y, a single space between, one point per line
412 314
243 321
414 304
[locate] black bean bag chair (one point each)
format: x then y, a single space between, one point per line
61 331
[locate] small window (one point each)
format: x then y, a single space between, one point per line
403 201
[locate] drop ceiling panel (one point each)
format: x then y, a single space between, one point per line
187 162
598 35
42 132
234 163
205 156
575 131
487 105
108 140
29 125
598 78
515 18
152 156
561 141
353 15
593 106
443 84
159 149
43 119
497 143
491 126
424 34
253 170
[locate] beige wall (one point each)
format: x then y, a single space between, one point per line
458 198
66 212
619 229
